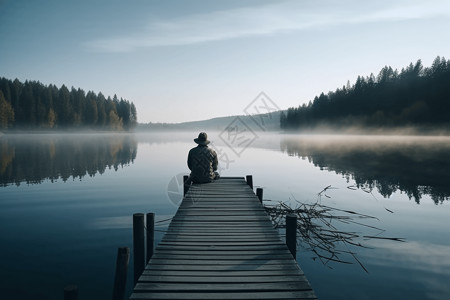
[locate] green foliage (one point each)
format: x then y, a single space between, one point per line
51 118
32 105
415 96
6 112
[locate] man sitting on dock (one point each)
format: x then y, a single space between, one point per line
202 161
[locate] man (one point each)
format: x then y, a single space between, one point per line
202 161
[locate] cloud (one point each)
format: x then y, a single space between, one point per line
120 222
426 257
426 262
265 20
112 223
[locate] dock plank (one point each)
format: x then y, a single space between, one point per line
226 296
221 279
212 274
221 287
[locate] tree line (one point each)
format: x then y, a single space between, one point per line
33 105
415 96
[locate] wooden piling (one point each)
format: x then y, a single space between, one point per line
138 245
120 278
185 184
150 221
71 292
249 179
259 193
291 234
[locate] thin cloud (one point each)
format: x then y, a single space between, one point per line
420 256
283 17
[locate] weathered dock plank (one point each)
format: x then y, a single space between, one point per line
279 295
221 245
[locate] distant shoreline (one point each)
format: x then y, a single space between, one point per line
59 131
404 130
199 126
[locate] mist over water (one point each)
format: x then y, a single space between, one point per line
66 203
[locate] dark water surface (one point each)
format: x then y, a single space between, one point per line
66 205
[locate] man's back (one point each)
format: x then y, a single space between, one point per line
202 161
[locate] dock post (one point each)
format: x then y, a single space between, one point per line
120 278
185 184
291 234
250 181
138 245
71 292
150 234
259 193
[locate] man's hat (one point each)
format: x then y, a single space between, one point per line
202 139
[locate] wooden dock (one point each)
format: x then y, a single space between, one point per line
221 245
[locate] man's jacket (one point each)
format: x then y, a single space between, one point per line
202 161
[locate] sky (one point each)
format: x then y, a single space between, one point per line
192 60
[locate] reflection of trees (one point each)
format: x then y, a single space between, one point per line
34 158
415 166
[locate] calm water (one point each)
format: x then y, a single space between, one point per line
66 204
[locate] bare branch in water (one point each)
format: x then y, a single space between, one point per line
317 229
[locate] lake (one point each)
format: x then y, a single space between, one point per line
66 205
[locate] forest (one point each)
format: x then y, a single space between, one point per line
33 105
416 96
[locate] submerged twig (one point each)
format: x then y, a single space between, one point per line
162 221
318 232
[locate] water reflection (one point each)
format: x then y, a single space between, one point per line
416 166
35 158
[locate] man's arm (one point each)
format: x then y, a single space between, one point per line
215 161
189 160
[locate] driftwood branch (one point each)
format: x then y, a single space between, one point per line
318 229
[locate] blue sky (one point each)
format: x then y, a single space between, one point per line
192 60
